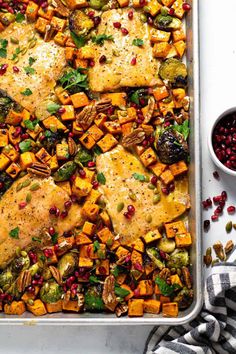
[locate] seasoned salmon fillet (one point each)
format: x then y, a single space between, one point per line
34 219
39 74
119 167
120 51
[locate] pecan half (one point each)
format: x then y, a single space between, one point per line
87 115
136 137
164 273
108 294
150 110
60 8
103 105
229 246
49 32
72 147
219 250
80 300
187 277
23 281
39 169
207 258
121 309
56 274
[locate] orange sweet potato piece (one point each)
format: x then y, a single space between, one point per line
54 307
178 168
183 240
152 306
38 308
175 228
170 309
71 305
145 288
135 307
15 308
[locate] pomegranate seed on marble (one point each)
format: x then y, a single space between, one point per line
214 217
231 209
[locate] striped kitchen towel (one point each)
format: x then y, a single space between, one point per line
214 330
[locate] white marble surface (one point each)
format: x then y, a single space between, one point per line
218 92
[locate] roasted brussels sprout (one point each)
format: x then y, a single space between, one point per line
171 147
51 139
174 71
97 4
50 292
6 103
153 253
83 156
65 172
167 22
166 245
80 23
5 179
184 298
178 259
67 264
20 263
6 279
93 299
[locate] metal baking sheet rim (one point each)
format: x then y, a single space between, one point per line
190 314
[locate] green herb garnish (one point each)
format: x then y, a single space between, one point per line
27 92
96 246
14 233
31 61
138 42
54 238
29 70
121 292
75 79
101 178
3 48
20 17
78 40
31 124
53 108
16 53
183 129
93 279
99 39
139 177
166 289
25 145
36 239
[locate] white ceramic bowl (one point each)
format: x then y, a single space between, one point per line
210 146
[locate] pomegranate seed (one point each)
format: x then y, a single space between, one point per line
131 209
130 14
166 124
44 5
73 198
162 254
25 136
71 134
231 209
3 296
48 252
133 61
217 199
63 214
127 258
56 247
171 187
218 210
53 210
68 204
206 224
117 24
124 31
214 217
171 12
216 175
96 20
165 190
8 297
102 59
136 292
15 69
91 63
70 281
3 69
145 142
204 204
95 184
138 267
150 20
82 173
51 231
22 205
186 6
142 2
91 14
91 164
224 195
222 203
154 180
1 185
102 270
127 215
209 202
37 276
31 289
67 233
61 110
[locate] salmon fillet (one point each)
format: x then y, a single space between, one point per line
49 60
118 167
34 218
119 72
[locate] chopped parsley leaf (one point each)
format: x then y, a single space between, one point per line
27 92
14 233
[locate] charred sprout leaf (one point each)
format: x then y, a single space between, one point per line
53 108
93 299
183 129
25 145
74 79
153 253
14 233
97 151
178 259
51 139
65 172
83 156
99 39
50 292
31 61
67 264
184 298
170 148
79 24
166 289
101 178
121 292
97 4
174 71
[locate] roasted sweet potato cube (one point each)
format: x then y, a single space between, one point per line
1 30
115 245
99 253
170 309
154 7
76 4
54 307
11 152
158 168
15 308
139 149
69 113
58 24
4 162
43 156
113 127
178 8
122 252
86 52
135 307
66 186
120 279
149 268
178 35
148 157
26 159
77 129
145 287
81 187
38 308
160 93
95 132
93 196
131 293
152 236
27 295
62 152
175 228
167 177
71 305
152 306
127 129
178 168
123 3
90 210
89 228
60 38
3 137
65 244
107 143
41 25
105 218
159 36
183 240
137 245
79 99
103 268
82 239
13 170
100 120
54 165
81 63
127 116
167 2
180 47
62 95
175 279
137 261
105 234
52 122
32 11
117 99
46 12
87 140
11 135
161 50
14 118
